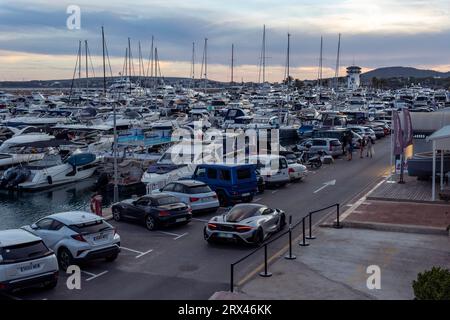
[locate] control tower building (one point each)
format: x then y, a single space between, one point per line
353 77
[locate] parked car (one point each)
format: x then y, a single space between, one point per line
329 146
337 133
197 194
232 182
297 171
378 130
363 131
249 223
77 236
154 211
25 261
273 169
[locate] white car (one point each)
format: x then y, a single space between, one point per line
364 131
25 261
272 168
296 170
77 236
196 194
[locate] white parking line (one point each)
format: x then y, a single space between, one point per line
177 236
257 199
274 191
143 253
182 235
97 275
88 273
140 253
201 220
132 250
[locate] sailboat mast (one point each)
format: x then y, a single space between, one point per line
104 62
232 63
79 64
193 64
206 62
320 64
129 62
264 54
288 60
336 74
87 66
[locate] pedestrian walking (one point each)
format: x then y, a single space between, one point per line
370 149
350 151
96 204
344 146
362 144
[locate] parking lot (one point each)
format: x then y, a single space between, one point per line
177 263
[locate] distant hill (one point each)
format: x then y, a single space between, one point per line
402 72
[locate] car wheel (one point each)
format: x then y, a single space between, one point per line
112 257
259 237
65 258
116 214
316 164
51 285
150 223
222 199
261 188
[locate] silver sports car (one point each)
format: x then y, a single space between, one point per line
247 222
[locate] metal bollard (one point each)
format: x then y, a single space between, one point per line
310 236
290 256
265 274
337 224
232 278
303 243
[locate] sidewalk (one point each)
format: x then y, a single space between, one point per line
400 216
334 266
402 238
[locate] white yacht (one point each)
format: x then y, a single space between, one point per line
52 171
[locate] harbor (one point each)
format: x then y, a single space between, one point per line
213 152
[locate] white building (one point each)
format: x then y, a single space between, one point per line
353 77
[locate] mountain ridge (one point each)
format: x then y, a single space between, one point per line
402 72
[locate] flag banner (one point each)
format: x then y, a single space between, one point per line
407 132
398 134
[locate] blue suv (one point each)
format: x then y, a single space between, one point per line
232 182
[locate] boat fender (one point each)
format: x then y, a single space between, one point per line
49 180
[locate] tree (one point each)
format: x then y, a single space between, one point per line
433 284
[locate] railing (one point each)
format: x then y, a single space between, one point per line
289 256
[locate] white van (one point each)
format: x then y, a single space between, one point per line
273 169
25 261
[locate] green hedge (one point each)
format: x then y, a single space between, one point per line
432 284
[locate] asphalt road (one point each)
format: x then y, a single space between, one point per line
177 263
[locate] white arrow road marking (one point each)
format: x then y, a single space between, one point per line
326 184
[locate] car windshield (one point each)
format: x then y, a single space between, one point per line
199 189
242 212
166 200
91 227
24 252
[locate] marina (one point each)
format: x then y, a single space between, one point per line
219 150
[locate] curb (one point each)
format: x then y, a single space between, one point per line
406 200
395 227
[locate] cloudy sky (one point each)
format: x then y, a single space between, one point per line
36 44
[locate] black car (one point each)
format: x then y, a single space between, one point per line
153 210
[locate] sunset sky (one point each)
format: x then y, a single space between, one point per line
36 44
